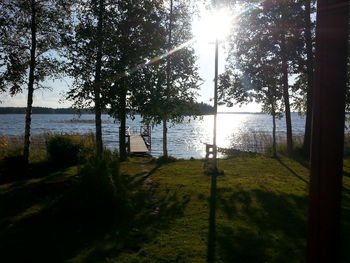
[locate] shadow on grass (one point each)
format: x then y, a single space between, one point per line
153 170
14 169
345 225
291 170
271 228
60 230
211 249
345 173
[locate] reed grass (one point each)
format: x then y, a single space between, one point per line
12 146
253 142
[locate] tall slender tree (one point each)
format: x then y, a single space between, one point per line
84 51
303 87
33 31
309 40
172 82
258 83
268 31
97 84
137 38
31 36
168 77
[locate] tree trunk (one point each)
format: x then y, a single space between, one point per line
286 95
326 166
165 139
30 84
168 82
97 84
273 112
310 73
122 119
271 95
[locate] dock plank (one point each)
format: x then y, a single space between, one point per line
137 144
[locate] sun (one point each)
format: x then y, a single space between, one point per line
213 24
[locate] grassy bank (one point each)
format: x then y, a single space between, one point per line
260 214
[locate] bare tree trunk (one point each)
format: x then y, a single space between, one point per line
310 74
122 119
30 84
168 82
286 95
97 84
273 112
165 139
327 147
272 100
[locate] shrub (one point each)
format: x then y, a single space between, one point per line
102 191
165 159
12 167
63 151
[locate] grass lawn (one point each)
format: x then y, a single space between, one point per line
261 209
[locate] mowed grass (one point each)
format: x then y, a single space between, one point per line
261 214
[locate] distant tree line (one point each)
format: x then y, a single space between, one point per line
43 110
192 109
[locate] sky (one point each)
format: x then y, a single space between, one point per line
205 51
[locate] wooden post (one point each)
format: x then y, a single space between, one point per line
328 131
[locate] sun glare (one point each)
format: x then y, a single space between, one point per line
213 24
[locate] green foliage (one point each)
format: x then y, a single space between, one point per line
64 150
131 34
254 70
169 86
101 190
299 89
7 149
165 159
233 153
12 167
52 21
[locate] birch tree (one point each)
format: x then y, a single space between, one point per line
31 36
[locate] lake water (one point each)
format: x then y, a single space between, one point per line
246 131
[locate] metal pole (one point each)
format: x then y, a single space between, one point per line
212 212
214 171
215 101
328 131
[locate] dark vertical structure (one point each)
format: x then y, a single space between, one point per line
168 79
328 131
122 119
33 29
285 86
215 101
213 173
310 76
97 84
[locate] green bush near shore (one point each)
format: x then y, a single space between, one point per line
101 188
11 146
47 152
64 150
53 218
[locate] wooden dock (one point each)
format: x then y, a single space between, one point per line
137 144
139 140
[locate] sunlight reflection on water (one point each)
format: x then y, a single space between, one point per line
185 139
